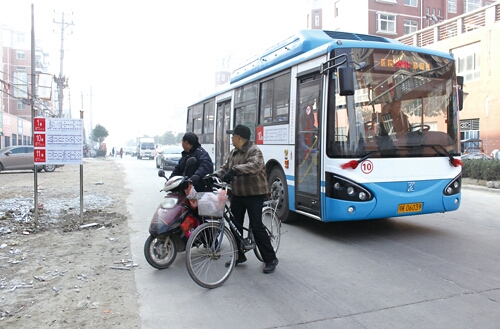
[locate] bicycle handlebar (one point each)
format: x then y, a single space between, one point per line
217 182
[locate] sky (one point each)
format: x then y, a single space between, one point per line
135 66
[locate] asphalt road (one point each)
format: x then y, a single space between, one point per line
428 271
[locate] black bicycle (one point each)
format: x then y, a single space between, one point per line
211 251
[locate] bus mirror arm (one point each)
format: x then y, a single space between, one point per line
330 64
460 84
345 74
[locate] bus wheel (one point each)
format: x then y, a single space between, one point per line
279 191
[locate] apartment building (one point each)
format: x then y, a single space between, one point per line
15 76
387 18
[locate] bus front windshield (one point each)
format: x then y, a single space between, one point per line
404 104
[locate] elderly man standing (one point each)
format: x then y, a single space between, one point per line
246 170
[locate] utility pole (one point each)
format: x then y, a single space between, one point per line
61 80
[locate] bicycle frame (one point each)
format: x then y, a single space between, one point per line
210 258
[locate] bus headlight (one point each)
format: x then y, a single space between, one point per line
341 188
454 186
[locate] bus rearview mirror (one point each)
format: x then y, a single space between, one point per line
346 80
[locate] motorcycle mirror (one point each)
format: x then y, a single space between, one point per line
161 173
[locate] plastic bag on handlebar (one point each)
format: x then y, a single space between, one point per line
191 195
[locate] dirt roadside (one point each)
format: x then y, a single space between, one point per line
61 272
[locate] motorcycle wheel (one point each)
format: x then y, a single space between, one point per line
160 251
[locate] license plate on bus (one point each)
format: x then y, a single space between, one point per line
410 207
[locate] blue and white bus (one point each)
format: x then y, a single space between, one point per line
352 126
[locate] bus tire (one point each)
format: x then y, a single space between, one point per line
279 191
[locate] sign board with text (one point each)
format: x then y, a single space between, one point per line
58 141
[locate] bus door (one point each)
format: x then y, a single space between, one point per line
307 145
223 142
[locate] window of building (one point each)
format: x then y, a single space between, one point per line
20 54
21 106
412 3
275 100
469 129
452 6
468 61
316 14
410 26
386 23
471 5
20 84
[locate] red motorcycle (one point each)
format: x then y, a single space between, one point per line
173 221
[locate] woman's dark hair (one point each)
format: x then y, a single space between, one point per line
191 138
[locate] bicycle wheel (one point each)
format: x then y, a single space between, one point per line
208 249
273 228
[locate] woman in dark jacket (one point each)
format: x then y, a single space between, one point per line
200 169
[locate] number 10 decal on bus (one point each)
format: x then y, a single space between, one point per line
352 126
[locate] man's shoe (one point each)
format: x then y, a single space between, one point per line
241 259
271 266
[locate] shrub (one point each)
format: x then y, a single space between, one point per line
481 169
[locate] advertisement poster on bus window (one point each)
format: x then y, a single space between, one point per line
58 141
272 134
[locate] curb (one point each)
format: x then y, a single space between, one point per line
480 188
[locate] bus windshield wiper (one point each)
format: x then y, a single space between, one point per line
353 164
454 162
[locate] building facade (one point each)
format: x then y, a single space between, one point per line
387 18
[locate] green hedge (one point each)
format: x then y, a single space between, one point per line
481 169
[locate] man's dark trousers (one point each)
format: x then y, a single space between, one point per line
253 204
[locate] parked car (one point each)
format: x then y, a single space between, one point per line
21 158
168 157
477 155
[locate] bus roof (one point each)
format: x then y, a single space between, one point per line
314 43
302 42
